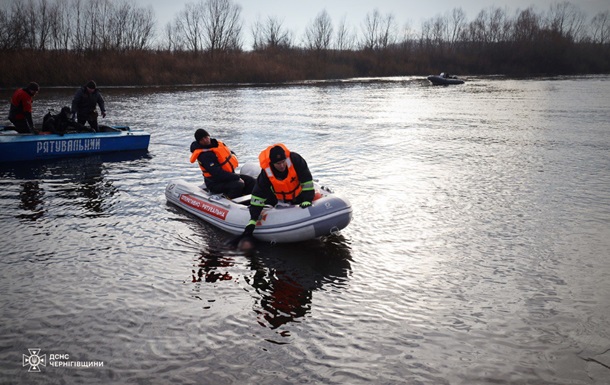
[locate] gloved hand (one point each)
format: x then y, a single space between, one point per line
103 114
249 229
305 204
247 233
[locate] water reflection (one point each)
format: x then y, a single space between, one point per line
86 186
284 276
31 201
209 265
78 181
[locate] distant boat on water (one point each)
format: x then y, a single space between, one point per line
444 79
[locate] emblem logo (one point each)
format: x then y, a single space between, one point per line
34 360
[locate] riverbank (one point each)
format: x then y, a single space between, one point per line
154 67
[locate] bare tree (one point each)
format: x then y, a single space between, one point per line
221 25
456 25
425 34
499 25
600 28
442 30
319 33
40 13
141 31
378 32
119 23
408 38
213 25
439 30
271 34
130 27
344 39
387 35
78 36
5 31
13 32
61 27
567 20
173 38
527 26
189 24
490 26
97 24
257 34
370 30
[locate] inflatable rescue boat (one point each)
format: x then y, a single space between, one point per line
283 223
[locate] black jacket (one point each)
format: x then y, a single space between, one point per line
61 123
85 103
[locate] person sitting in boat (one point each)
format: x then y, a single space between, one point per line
217 163
84 105
20 113
285 177
62 123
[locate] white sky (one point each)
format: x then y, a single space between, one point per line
297 15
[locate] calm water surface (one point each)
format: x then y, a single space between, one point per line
478 252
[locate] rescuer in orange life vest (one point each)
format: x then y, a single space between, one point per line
285 176
218 163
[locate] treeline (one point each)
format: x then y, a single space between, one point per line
65 42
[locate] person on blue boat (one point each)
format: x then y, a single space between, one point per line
20 113
84 105
62 123
285 177
218 163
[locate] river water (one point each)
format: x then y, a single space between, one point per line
478 252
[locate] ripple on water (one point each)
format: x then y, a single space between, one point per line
475 253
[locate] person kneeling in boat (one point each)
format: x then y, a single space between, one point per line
285 177
20 113
62 123
217 163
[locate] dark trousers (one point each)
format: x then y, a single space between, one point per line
90 118
233 189
21 126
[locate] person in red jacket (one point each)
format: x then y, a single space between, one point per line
20 113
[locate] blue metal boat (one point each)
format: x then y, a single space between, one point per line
16 147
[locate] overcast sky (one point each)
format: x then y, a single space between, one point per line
297 15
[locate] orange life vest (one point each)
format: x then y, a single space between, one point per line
226 159
288 188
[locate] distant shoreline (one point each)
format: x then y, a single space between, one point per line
387 79
163 68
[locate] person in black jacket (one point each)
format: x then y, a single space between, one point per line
85 103
217 163
62 123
